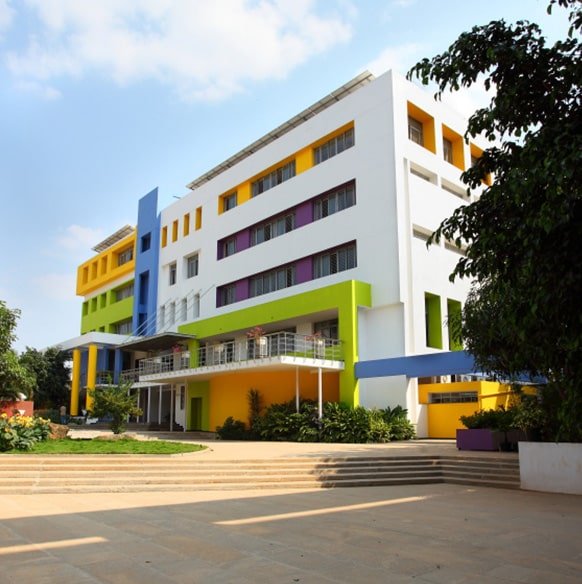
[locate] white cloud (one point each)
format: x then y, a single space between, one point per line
203 50
57 286
77 237
469 99
400 58
39 89
6 16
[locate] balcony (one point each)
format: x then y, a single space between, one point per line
270 351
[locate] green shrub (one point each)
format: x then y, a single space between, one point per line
499 419
232 430
53 415
22 432
400 426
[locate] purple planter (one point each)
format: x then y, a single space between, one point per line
480 439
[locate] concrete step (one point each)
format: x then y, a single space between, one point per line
121 473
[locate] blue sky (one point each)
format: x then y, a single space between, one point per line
103 100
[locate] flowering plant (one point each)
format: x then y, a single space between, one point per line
315 336
22 432
256 332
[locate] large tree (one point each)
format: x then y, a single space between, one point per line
523 236
15 379
52 374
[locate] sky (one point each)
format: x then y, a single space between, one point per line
103 100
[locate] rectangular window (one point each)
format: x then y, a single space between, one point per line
192 266
454 325
124 292
172 313
415 132
453 397
448 150
146 242
227 295
164 236
104 265
184 310
198 223
125 256
274 178
186 226
162 317
229 247
334 261
172 273
102 300
271 281
272 228
334 146
123 327
174 230
337 200
433 321
85 308
229 202
196 306
328 329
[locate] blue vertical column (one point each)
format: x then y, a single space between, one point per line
118 365
146 265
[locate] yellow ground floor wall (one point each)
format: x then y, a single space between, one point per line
443 419
227 394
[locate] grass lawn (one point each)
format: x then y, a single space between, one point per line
122 446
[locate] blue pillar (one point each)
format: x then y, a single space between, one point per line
118 365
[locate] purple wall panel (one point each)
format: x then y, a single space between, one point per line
242 290
304 270
243 240
304 214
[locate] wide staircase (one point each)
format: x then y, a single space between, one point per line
27 474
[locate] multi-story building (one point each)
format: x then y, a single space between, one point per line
289 263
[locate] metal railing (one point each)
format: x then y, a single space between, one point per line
261 347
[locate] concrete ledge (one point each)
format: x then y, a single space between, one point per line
551 467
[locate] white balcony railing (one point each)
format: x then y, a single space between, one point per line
262 347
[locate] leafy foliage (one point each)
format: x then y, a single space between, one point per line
339 424
116 402
522 235
22 432
52 374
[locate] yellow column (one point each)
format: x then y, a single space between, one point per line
91 375
74 409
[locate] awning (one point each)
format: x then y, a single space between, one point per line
157 342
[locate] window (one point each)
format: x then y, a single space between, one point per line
102 300
144 282
271 281
146 242
125 256
337 260
327 328
454 309
448 150
229 202
433 320
196 306
164 236
172 274
172 313
415 131
198 223
335 201
85 308
334 146
123 327
455 397
227 295
162 313
124 292
229 247
278 176
174 230
192 266
186 225
93 304
273 228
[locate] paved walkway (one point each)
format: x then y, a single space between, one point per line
437 533
418 533
231 450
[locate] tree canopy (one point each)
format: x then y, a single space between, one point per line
522 236
52 376
14 377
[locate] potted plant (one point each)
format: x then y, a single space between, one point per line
318 344
257 334
486 430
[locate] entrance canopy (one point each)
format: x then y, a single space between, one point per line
157 342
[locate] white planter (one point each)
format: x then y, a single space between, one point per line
551 467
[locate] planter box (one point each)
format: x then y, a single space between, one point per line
480 439
551 467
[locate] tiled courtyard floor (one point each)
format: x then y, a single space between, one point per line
418 533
